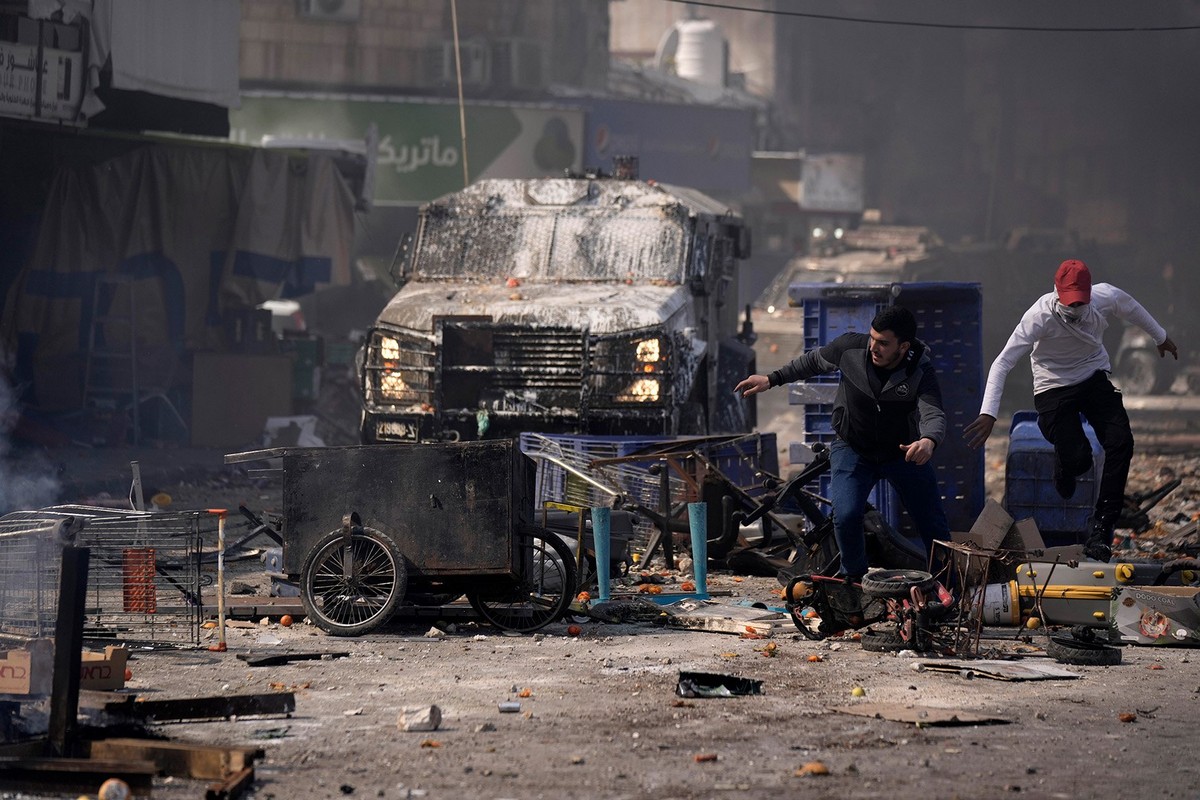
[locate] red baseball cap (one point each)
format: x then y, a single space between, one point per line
1073 282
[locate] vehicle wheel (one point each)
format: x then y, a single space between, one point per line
1069 650
896 582
349 588
884 641
1140 373
538 598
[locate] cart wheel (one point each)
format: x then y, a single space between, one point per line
537 599
896 582
352 587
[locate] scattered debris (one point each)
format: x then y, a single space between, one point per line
277 659
998 670
708 615
202 708
919 715
710 684
812 768
420 718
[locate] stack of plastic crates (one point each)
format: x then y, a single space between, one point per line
144 571
593 471
949 321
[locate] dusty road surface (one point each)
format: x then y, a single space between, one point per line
599 717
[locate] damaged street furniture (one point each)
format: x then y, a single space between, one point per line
145 582
366 528
662 487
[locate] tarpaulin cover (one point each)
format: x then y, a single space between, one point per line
197 228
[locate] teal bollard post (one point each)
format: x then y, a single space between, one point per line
601 533
698 523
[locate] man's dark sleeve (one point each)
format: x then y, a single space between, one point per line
931 423
820 361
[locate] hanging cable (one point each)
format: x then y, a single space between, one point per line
462 113
948 25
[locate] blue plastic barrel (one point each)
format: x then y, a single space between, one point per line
1029 483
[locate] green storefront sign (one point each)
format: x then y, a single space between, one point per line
420 154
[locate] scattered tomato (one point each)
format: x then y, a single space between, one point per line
286 620
812 768
574 630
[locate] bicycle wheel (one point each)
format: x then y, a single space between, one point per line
535 599
352 586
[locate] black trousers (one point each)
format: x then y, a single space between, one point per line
1099 402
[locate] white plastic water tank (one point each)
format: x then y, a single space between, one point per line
700 55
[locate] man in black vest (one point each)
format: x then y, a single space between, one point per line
889 420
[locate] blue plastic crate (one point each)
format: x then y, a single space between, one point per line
949 321
1029 483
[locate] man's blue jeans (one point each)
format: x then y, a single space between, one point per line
852 478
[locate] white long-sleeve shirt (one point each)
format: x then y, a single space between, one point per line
1064 353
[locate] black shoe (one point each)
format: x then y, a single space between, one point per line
1097 551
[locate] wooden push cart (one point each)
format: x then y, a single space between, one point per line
368 528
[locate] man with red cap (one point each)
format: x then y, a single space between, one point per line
1063 334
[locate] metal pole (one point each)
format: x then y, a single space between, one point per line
698 526
601 531
664 507
139 502
68 650
220 646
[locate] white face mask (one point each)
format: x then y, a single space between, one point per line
1069 314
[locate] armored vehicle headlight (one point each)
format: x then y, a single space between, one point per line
648 350
398 370
642 390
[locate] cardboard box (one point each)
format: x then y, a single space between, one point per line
30 671
16 672
1158 615
104 671
994 529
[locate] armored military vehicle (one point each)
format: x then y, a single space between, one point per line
583 304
